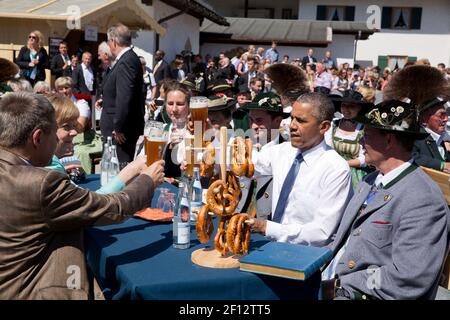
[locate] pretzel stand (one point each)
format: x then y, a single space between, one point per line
210 257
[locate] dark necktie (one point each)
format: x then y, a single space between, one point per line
287 188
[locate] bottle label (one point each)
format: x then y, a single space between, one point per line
104 178
195 209
183 233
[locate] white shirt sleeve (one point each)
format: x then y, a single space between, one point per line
83 108
361 156
328 138
326 210
262 160
152 80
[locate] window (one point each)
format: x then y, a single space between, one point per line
335 13
286 13
401 18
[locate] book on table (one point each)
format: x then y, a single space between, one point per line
286 260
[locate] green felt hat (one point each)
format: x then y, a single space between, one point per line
394 116
267 101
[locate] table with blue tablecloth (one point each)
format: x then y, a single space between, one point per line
136 260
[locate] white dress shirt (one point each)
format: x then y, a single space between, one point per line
82 106
439 138
88 76
318 198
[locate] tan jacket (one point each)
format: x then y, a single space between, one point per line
42 216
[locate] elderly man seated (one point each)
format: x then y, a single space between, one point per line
434 151
393 238
43 213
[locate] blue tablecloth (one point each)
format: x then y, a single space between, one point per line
136 260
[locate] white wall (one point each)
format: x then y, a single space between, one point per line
179 30
432 41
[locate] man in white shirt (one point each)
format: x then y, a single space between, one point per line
83 77
311 182
324 81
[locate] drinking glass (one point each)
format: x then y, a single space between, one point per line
155 140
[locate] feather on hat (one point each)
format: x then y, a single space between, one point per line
419 83
288 80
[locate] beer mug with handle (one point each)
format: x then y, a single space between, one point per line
155 140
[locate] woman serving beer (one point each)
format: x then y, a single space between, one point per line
177 108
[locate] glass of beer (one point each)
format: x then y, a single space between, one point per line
155 141
199 111
190 154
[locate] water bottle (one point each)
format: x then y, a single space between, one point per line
114 167
181 218
109 142
104 165
197 193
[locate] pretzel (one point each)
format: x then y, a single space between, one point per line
239 163
208 160
238 234
219 200
231 231
204 225
220 240
233 186
248 150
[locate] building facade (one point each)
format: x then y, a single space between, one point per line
408 30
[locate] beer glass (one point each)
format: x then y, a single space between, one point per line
190 154
199 110
155 141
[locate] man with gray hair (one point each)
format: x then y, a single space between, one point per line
43 214
123 95
311 182
105 56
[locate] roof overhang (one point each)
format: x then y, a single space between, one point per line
285 32
100 13
199 9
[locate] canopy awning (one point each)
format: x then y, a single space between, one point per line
285 32
100 13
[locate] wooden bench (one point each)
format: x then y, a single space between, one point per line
442 180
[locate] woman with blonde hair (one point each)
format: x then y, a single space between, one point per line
33 58
67 114
64 86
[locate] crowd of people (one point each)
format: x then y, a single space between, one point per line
344 169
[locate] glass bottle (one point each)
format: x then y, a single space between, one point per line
114 167
109 142
181 218
197 192
104 166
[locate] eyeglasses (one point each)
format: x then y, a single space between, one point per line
31 37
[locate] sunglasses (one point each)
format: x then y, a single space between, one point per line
31 37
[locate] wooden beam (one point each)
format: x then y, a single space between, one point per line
41 6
